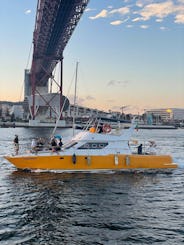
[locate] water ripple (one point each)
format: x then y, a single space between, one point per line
134 207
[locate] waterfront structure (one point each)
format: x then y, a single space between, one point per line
85 112
17 111
47 106
44 112
165 114
8 108
177 114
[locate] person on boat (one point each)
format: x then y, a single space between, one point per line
106 128
53 144
40 144
151 149
139 149
33 145
59 145
100 129
16 144
93 129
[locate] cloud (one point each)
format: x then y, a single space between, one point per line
80 100
159 10
102 14
28 11
179 19
141 3
129 26
116 22
136 19
159 20
115 83
122 11
179 9
144 10
89 10
144 26
163 28
90 97
110 101
119 22
149 9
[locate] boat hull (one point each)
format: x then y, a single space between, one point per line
87 163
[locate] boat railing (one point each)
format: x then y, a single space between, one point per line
91 122
148 147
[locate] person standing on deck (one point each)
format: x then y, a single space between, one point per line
33 145
140 149
16 144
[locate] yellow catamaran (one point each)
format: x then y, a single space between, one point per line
89 151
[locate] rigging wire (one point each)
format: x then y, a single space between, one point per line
69 88
75 97
28 60
27 64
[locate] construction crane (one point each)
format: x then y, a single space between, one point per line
123 107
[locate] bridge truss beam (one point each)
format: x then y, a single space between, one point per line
54 25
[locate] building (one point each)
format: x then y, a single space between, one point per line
166 114
17 111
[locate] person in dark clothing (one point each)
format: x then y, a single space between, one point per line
60 143
16 144
100 129
140 149
53 144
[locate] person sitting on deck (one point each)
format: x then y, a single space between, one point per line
40 144
53 144
93 129
59 145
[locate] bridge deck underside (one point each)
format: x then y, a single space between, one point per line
55 23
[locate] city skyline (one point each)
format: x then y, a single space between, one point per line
130 53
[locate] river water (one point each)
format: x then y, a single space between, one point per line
138 207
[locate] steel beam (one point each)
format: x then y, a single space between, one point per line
54 25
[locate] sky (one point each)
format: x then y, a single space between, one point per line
130 53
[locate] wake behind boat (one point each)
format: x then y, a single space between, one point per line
93 150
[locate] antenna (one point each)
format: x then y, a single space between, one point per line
123 107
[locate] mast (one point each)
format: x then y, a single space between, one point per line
75 94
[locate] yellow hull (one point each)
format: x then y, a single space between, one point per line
107 162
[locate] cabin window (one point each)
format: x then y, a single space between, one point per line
67 146
96 145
